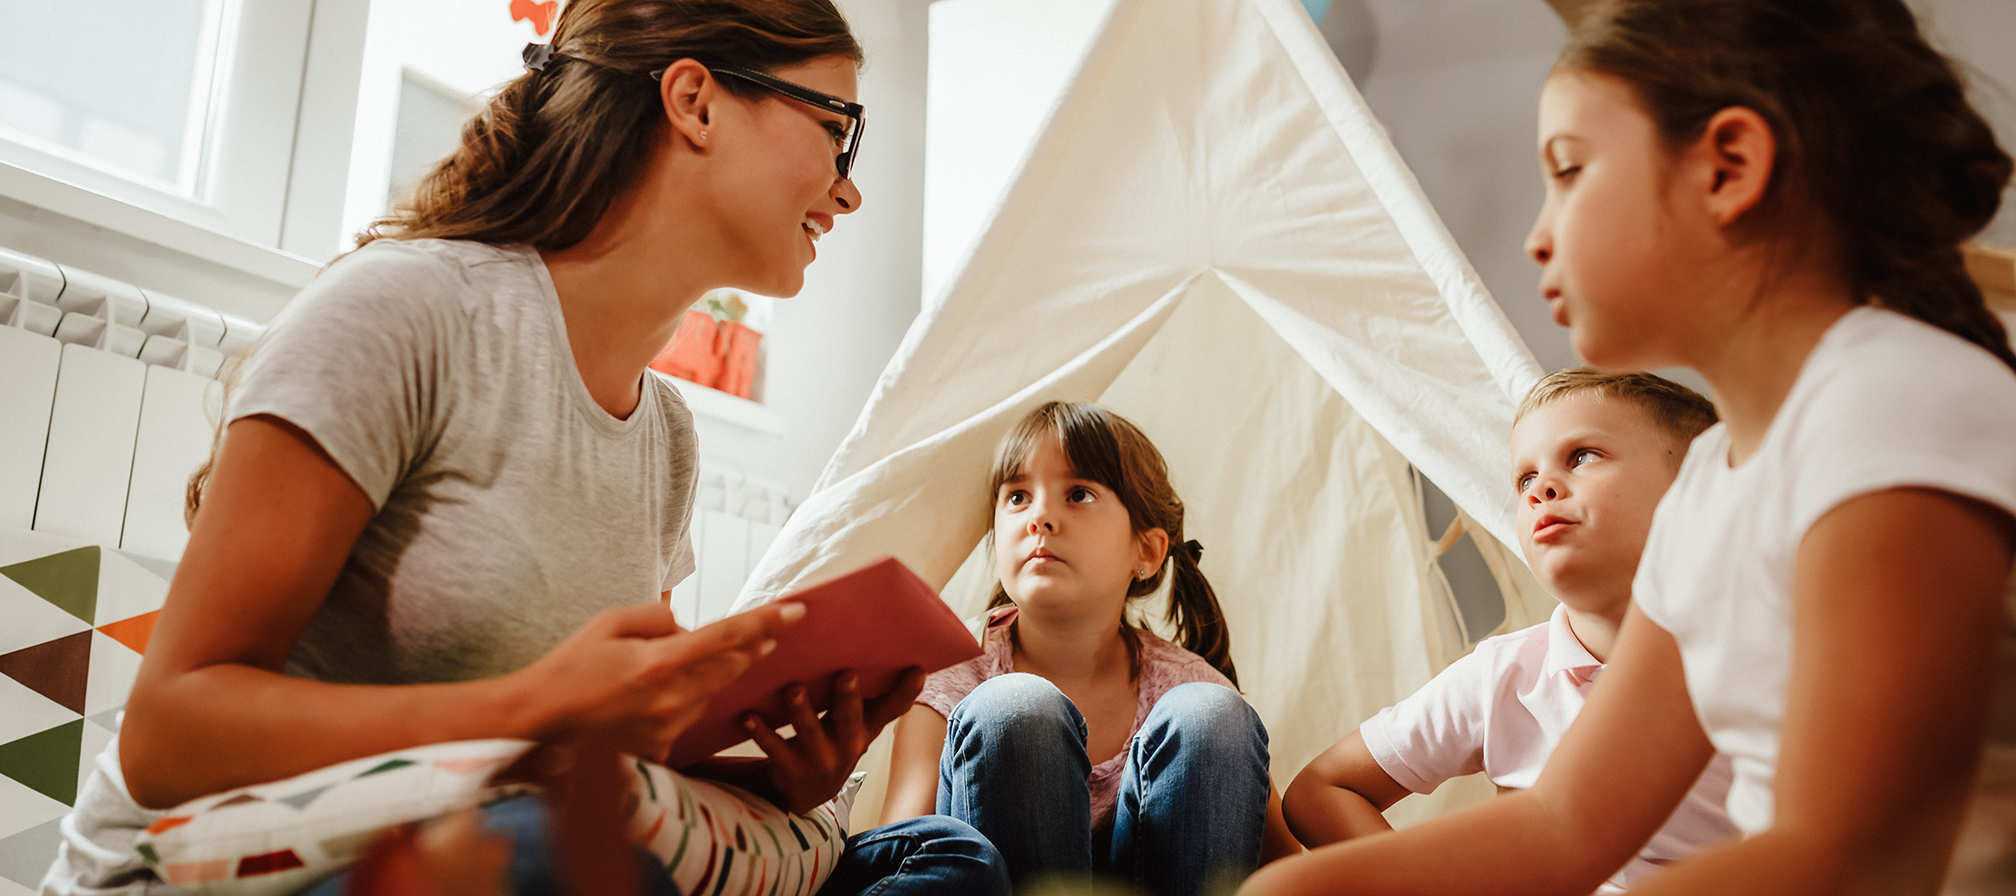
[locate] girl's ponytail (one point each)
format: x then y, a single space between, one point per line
1194 611
1874 131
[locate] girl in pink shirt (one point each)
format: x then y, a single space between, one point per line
1079 742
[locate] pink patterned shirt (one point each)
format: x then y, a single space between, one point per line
1163 666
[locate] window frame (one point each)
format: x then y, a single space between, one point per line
279 137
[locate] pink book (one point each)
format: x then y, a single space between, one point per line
877 620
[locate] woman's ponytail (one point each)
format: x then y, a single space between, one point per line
552 151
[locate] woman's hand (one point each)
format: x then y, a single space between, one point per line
810 767
633 672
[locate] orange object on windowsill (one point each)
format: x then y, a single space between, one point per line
738 367
719 355
695 354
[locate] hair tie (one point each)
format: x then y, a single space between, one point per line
1194 549
536 56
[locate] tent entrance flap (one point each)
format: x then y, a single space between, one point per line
1229 252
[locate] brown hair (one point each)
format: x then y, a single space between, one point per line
1105 448
548 155
1679 412
1873 127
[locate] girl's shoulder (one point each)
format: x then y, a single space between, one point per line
408 286
1880 359
1886 401
1165 665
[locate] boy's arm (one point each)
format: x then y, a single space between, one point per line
913 765
1340 795
1624 765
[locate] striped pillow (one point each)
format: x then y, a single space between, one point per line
278 838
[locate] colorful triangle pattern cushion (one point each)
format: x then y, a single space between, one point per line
77 618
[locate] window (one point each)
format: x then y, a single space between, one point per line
186 108
143 116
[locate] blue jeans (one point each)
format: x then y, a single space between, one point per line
933 854
923 856
1193 793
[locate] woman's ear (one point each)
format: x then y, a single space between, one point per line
689 92
1739 153
1154 545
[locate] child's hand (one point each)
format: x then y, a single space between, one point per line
810 768
635 673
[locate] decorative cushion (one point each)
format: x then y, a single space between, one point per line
277 838
715 838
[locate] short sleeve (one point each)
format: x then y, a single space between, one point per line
355 361
1911 407
684 563
944 688
1437 733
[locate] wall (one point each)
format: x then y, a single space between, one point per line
984 120
827 345
1981 35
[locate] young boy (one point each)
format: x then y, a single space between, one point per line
1592 453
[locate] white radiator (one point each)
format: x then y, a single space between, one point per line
108 397
735 518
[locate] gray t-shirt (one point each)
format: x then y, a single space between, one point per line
511 507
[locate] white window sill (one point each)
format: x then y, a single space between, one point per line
198 242
725 408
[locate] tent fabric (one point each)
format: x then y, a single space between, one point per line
1214 238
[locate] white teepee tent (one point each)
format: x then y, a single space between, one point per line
1215 239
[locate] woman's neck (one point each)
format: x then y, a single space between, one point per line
1070 651
624 289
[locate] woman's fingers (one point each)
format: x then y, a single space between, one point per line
773 745
808 734
640 621
891 706
844 719
748 628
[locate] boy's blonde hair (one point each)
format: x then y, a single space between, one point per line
1679 412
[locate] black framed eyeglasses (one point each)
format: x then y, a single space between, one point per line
855 112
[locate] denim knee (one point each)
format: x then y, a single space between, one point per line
931 854
1014 707
1206 717
935 835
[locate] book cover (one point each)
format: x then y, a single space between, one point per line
877 620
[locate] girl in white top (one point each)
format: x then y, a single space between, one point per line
1772 192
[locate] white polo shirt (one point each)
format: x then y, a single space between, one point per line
1501 710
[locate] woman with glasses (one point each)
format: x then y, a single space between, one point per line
447 503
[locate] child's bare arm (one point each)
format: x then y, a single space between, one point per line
1897 608
1340 795
1630 757
913 765
1277 841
